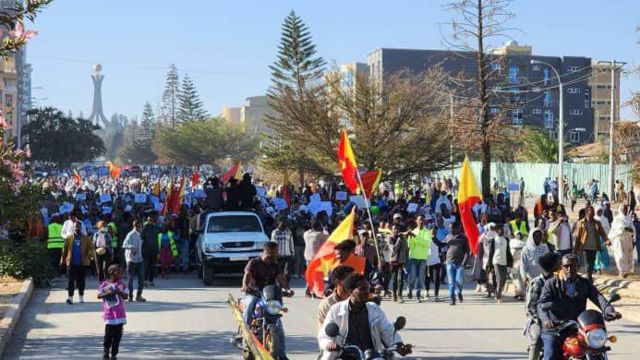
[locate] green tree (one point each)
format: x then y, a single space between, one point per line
55 138
298 97
538 146
139 148
205 142
170 95
190 106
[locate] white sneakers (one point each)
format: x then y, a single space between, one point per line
70 300
81 299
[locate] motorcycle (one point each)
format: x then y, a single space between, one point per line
266 322
352 352
587 337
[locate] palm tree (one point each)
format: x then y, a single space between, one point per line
538 146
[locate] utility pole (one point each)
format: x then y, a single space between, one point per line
450 144
615 66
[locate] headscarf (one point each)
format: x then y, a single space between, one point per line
531 244
620 222
602 219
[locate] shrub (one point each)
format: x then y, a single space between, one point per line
26 259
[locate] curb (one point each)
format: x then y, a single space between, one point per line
12 316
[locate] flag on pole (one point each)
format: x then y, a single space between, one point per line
468 196
195 178
77 179
285 189
347 163
370 182
234 172
178 197
114 170
156 188
167 199
325 259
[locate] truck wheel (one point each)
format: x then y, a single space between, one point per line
207 275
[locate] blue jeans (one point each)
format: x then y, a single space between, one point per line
183 249
136 270
455 275
249 305
552 345
417 271
277 329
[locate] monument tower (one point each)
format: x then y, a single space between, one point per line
97 116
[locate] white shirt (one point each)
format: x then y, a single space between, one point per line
69 228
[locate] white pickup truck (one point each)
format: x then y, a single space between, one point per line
227 240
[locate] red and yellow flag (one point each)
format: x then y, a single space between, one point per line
325 259
468 196
114 170
156 188
176 198
370 182
167 199
195 178
234 172
347 163
77 179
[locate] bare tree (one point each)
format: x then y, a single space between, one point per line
475 24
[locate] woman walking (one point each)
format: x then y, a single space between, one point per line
622 236
76 255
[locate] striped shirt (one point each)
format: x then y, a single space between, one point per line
284 239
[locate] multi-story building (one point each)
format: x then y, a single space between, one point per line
530 89
9 93
251 116
600 85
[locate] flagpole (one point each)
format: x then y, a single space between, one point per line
373 231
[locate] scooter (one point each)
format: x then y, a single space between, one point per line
352 352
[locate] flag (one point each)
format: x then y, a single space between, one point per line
325 259
77 179
347 163
370 181
195 178
156 188
114 170
285 190
234 172
177 197
468 196
167 199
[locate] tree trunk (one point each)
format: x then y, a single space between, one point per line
485 174
301 173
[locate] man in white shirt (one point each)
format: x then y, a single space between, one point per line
68 228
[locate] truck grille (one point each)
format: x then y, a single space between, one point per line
237 244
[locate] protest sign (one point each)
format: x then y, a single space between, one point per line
280 203
154 199
140 198
261 192
105 198
314 198
412 207
81 196
341 195
158 206
106 209
200 194
358 200
326 206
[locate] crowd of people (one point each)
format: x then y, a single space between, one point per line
407 245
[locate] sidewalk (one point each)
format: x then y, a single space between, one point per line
629 291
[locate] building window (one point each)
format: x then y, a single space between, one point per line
516 116
548 119
546 99
495 110
574 137
575 112
601 86
536 67
496 66
514 74
573 90
546 75
515 96
537 111
8 101
587 98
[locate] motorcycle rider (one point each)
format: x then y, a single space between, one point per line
258 273
564 297
340 273
548 264
361 322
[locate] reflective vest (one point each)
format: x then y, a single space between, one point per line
523 228
358 263
55 240
172 243
114 238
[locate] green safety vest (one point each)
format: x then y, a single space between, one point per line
172 243
114 238
523 228
55 240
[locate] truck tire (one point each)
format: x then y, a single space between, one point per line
207 275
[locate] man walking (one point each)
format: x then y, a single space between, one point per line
284 238
588 231
132 246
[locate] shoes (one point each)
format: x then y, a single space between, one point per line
69 301
436 299
105 357
410 295
151 284
130 298
428 296
395 298
498 301
478 288
140 299
81 299
453 301
460 297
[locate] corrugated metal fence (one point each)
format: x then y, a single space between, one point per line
534 174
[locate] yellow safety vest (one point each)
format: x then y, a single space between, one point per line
172 243
523 228
114 238
55 240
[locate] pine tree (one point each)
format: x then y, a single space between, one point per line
190 106
297 63
147 125
170 96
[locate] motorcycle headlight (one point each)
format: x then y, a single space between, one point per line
274 307
596 338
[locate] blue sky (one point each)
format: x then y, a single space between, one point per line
226 46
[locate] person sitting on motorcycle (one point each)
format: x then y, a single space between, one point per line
258 273
564 297
345 255
361 323
548 264
339 294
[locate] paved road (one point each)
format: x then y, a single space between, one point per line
184 320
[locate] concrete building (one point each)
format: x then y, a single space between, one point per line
530 90
251 116
600 85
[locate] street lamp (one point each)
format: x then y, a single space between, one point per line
560 130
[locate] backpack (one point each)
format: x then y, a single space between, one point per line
100 242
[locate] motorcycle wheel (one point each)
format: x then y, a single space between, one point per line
271 341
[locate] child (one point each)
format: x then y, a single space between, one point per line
113 293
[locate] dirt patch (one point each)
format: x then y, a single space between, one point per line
9 287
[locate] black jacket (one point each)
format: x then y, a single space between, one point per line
149 235
555 304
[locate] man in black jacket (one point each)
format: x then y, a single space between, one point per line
150 250
564 297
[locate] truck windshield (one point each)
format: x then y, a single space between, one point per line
233 223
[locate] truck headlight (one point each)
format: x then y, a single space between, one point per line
596 338
274 307
209 248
